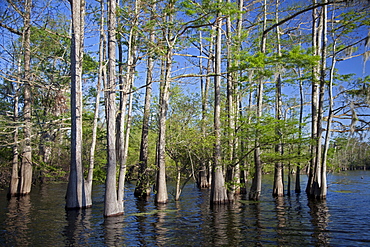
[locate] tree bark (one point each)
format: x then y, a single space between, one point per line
14 179
26 166
278 189
204 169
102 51
255 191
76 196
143 185
111 204
314 105
161 185
218 189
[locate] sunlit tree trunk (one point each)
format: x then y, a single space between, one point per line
314 104
125 94
320 192
232 171
278 189
315 185
111 204
161 184
26 166
102 51
298 173
76 195
218 189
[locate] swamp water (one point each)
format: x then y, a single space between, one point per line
343 220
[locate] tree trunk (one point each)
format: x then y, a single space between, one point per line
204 169
26 166
314 105
218 190
14 180
255 191
232 174
111 204
278 189
102 51
76 195
316 185
143 185
161 185
298 173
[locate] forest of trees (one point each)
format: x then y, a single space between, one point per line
215 92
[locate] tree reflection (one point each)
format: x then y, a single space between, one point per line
113 229
160 228
78 229
143 220
319 219
17 221
281 219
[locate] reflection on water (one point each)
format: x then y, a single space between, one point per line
320 218
17 221
342 220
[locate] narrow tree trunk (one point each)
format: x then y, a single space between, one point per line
76 196
314 106
102 44
143 186
14 180
278 189
218 190
232 174
243 167
178 181
26 167
323 187
298 173
255 191
204 180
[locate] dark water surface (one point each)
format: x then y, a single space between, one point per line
343 220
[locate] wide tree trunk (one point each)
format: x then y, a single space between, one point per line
161 185
111 204
76 194
315 184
